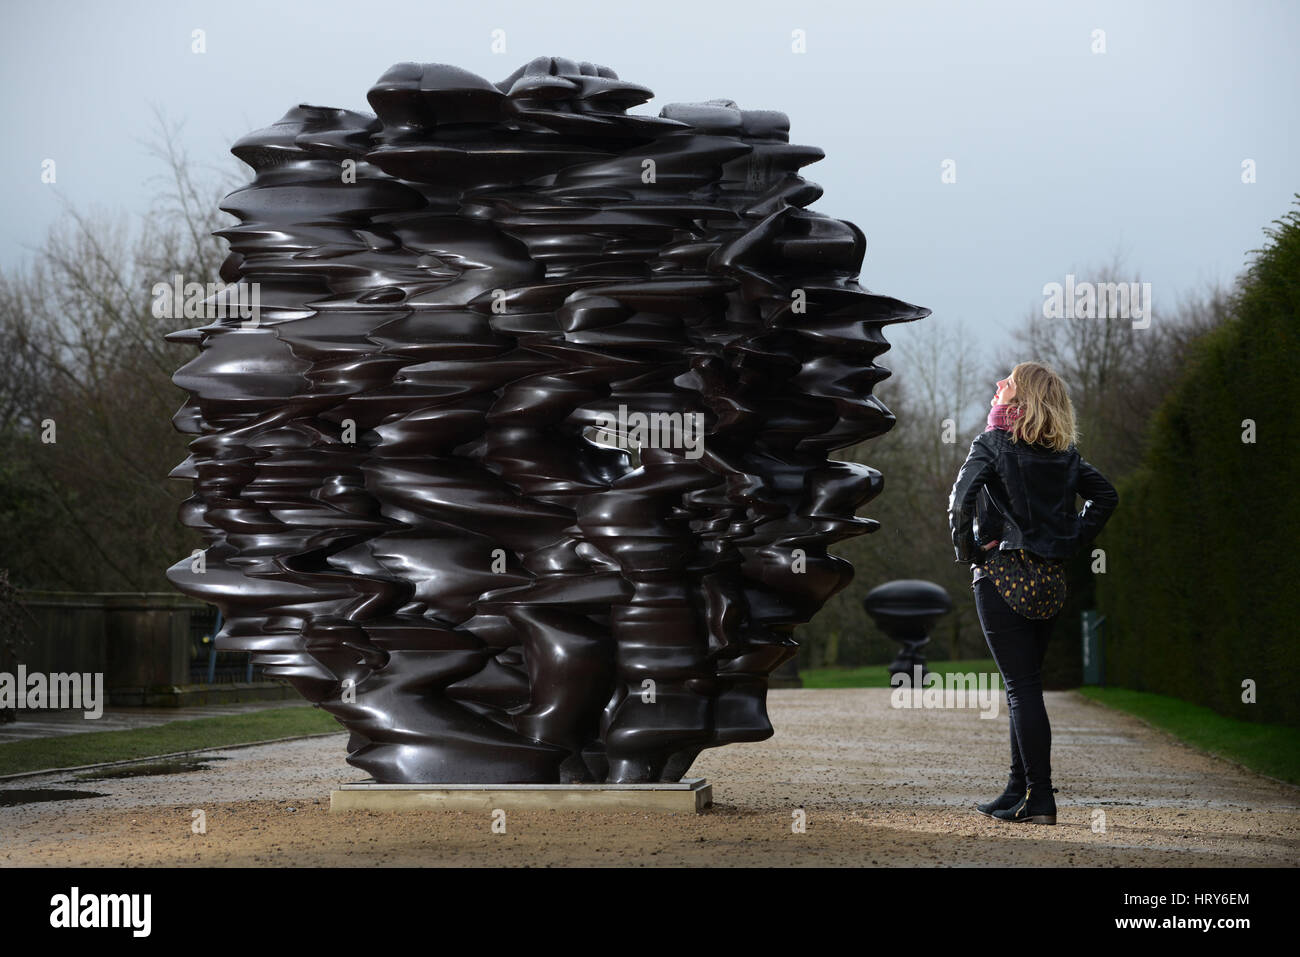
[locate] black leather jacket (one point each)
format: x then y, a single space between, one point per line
1023 495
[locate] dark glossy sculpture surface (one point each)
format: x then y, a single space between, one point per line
402 467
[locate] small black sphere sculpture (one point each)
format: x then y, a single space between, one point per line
428 500
907 610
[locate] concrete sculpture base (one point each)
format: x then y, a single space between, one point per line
691 795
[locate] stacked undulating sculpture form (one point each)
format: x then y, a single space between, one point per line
415 506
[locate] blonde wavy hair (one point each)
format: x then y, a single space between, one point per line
1047 413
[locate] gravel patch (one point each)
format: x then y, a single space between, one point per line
875 786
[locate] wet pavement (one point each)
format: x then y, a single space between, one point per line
44 724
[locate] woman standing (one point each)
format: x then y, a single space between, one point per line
1016 494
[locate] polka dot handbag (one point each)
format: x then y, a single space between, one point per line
1032 587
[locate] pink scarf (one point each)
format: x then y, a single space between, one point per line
1003 416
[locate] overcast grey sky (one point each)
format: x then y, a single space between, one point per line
1063 156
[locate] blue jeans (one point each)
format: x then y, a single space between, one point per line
1019 645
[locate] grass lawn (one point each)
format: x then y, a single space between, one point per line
877 676
1271 749
95 747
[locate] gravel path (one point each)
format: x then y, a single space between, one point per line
877 786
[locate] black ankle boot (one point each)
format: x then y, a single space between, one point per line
1037 806
1007 799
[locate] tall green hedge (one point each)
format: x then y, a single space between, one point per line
1202 585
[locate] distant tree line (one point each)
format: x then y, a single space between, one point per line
1200 595
1202 522
86 398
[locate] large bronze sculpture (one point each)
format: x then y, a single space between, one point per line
430 496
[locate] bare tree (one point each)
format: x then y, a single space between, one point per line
939 394
1117 371
86 366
